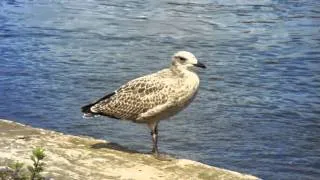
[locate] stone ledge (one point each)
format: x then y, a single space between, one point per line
74 157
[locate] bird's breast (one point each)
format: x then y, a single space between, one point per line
187 89
192 82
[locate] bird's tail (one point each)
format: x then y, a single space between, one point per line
87 113
87 109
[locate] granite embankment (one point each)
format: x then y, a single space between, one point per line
74 157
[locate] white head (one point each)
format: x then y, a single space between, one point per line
187 60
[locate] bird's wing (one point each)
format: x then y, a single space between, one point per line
134 98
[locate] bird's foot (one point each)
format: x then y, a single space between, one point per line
162 157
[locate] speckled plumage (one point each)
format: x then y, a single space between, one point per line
151 98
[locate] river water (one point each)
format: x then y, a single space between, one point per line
258 108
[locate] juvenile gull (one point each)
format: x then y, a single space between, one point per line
154 97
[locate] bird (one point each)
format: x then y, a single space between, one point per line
153 97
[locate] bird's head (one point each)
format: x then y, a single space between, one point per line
186 60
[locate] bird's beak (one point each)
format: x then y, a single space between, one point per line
199 64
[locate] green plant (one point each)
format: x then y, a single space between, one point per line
36 157
18 172
15 171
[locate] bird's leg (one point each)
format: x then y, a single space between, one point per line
155 152
154 134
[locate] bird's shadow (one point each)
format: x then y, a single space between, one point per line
117 147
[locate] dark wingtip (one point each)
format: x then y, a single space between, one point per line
86 109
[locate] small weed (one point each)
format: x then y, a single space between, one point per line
37 168
16 171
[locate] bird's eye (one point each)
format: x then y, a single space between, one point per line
182 58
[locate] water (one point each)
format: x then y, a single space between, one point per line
258 109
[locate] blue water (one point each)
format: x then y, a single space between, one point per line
258 108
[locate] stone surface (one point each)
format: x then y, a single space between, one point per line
74 157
